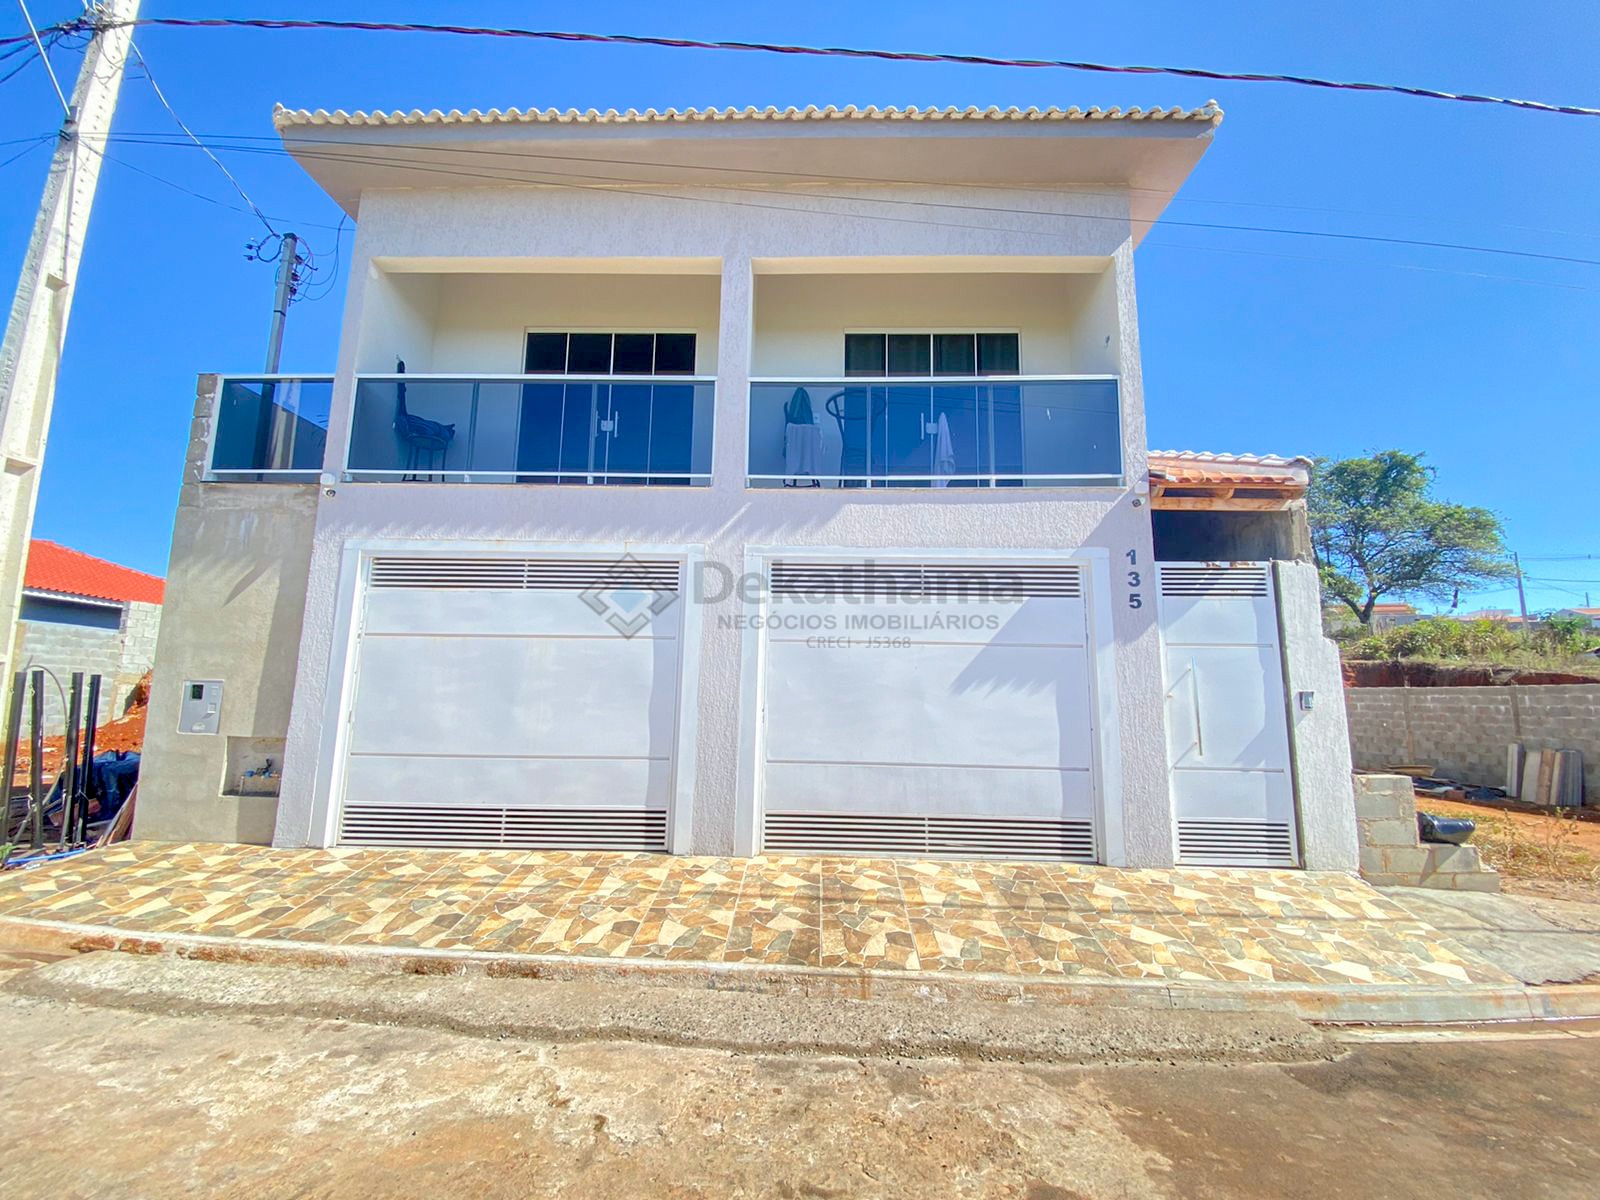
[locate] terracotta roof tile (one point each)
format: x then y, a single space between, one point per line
54 568
1202 467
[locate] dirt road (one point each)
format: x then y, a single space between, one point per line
114 1102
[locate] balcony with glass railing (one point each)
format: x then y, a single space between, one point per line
270 428
981 431
568 429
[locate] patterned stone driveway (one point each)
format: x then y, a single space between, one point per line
1028 919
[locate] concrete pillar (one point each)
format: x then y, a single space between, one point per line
36 332
717 762
1319 737
1149 838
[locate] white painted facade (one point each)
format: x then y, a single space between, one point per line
450 275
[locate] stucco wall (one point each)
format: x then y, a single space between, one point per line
547 231
481 318
236 586
801 320
1463 731
1319 739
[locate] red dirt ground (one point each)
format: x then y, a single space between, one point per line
124 733
1412 673
1581 833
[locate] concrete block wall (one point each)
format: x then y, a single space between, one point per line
1391 853
120 656
1464 731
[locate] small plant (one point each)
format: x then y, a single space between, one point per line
1547 853
1441 637
1559 643
1566 635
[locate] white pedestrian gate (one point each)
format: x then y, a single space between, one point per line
1227 715
492 705
928 709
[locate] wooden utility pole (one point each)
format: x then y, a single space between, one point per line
30 356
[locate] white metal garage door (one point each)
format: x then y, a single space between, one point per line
493 706
928 709
1227 723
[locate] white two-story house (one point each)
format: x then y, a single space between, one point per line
741 481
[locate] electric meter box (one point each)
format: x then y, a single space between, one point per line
201 708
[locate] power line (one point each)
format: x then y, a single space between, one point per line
21 66
355 153
33 145
1163 243
178 187
563 180
768 171
66 108
161 96
881 55
811 211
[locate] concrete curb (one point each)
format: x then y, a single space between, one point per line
1355 1003
565 1012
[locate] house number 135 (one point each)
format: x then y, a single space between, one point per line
1135 597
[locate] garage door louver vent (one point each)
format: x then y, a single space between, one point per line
521 574
928 837
1216 580
1235 843
508 828
927 579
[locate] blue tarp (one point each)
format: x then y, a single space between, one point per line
115 773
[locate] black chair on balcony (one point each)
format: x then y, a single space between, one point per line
852 409
424 439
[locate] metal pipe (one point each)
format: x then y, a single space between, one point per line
91 726
69 765
19 693
35 765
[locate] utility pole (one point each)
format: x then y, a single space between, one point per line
280 433
288 260
1522 596
30 356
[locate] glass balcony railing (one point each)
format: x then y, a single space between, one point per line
270 428
556 429
968 432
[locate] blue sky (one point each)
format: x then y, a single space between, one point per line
1252 341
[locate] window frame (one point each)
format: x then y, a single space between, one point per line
930 332
612 331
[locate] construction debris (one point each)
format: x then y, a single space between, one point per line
1553 778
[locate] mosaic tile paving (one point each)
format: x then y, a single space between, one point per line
1028 919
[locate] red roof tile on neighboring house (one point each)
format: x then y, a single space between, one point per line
1199 479
1201 468
54 568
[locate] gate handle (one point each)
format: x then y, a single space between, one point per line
1194 694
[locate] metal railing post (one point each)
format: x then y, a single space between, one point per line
19 693
69 765
91 727
35 765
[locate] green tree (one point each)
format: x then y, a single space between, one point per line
1377 532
